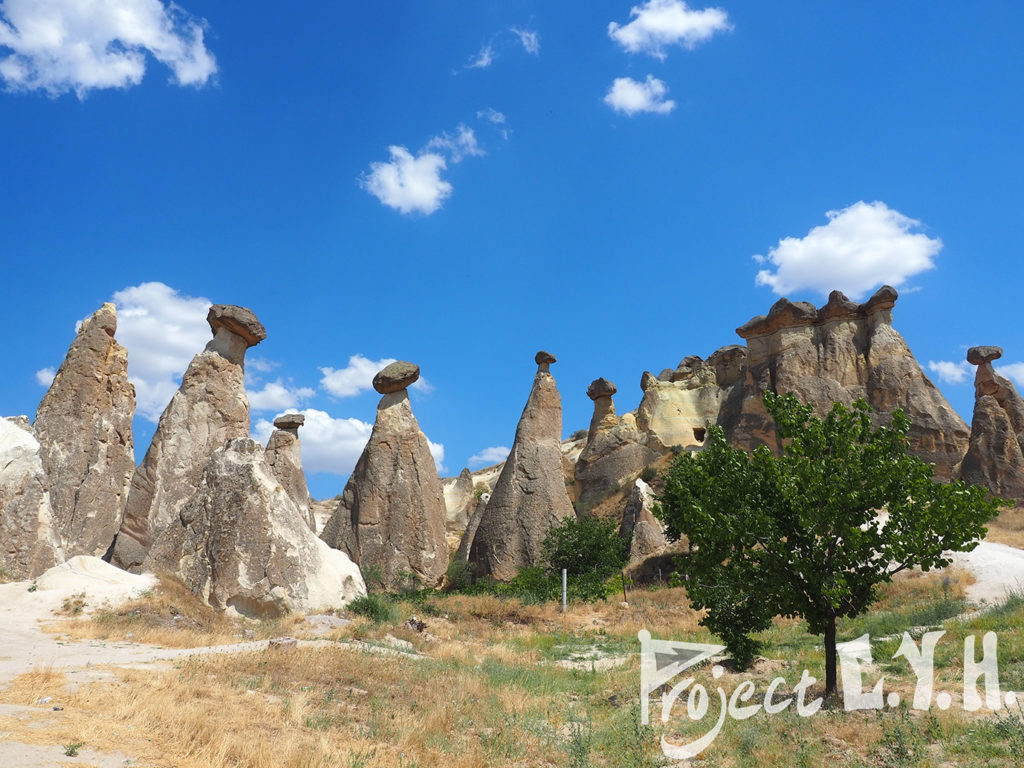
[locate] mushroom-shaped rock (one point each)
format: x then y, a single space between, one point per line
84 428
241 544
209 409
982 355
391 517
284 457
290 421
396 377
601 388
544 360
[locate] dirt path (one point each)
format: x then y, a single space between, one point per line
999 569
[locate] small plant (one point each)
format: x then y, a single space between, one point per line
1010 727
578 743
459 575
71 750
377 607
579 434
649 475
73 604
480 489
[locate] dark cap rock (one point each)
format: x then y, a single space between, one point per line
239 320
980 355
396 377
544 358
290 421
601 388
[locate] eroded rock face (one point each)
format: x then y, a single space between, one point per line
241 543
644 532
209 409
615 453
530 496
84 428
458 501
680 404
839 353
29 541
391 519
995 458
284 456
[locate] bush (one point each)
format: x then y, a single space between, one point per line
579 434
649 475
585 546
377 607
459 576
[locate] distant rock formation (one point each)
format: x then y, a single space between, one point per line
391 519
530 496
466 541
615 453
995 458
29 542
644 532
284 455
679 405
241 543
84 429
209 409
839 353
458 500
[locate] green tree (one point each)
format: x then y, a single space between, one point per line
813 532
590 549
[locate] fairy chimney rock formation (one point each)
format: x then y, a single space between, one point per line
839 353
241 544
391 519
209 409
84 429
644 532
995 458
530 496
284 456
29 542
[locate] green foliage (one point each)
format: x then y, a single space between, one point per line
375 606
649 475
800 534
586 546
579 434
71 750
459 576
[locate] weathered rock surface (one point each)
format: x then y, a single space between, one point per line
209 409
84 428
995 458
680 404
839 353
615 453
458 500
242 544
284 456
530 496
396 377
466 541
391 519
644 532
29 542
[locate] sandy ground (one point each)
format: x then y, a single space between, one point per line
999 569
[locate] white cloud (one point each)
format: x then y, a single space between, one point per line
45 376
79 45
162 331
358 375
261 364
333 444
409 184
662 23
949 372
491 115
861 247
413 184
529 39
462 144
483 59
276 396
1013 371
630 96
488 456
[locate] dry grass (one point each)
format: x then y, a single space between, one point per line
1008 528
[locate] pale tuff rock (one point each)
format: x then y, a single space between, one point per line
29 541
391 518
995 458
466 542
209 409
839 353
644 532
459 496
284 456
242 544
84 428
615 453
530 495
680 404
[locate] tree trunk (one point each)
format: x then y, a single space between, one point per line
830 659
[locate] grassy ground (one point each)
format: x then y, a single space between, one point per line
500 683
1008 528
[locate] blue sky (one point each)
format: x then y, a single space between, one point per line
461 184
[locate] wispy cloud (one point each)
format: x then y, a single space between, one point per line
529 39
488 456
659 24
631 97
70 45
483 58
862 246
949 372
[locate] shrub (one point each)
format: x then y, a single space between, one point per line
579 434
649 475
585 546
377 607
